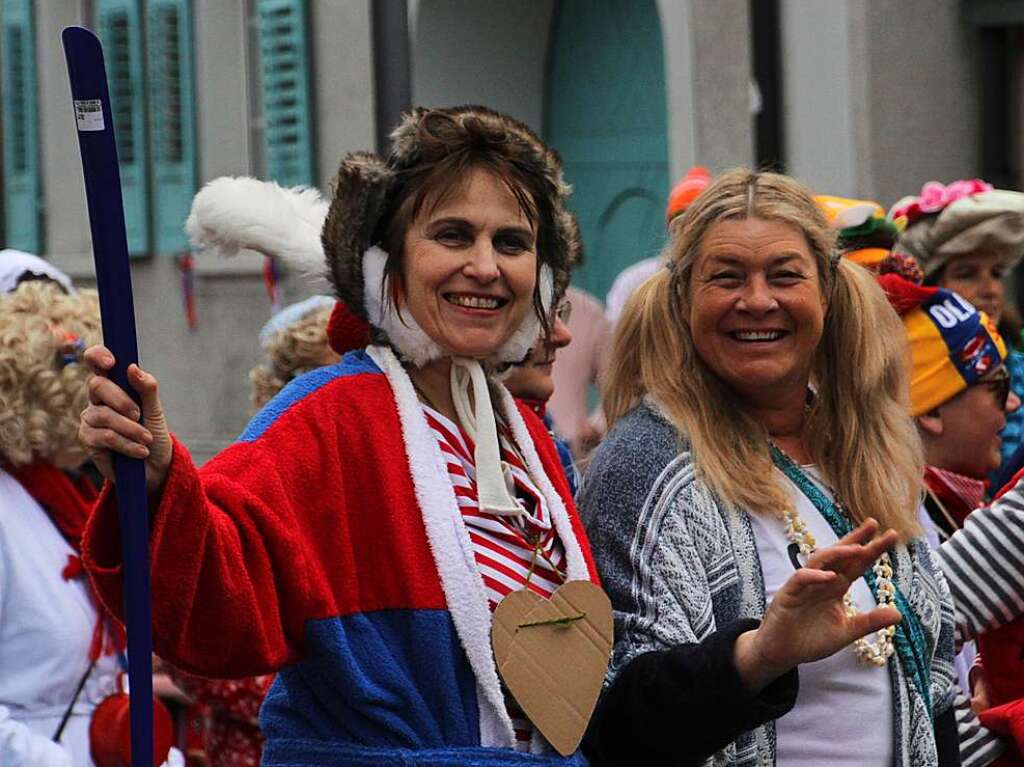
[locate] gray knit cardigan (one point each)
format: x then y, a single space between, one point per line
677 562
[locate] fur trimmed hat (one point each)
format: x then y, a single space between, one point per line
369 192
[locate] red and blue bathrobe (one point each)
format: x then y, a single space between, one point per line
327 543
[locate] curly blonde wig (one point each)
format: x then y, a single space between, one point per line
42 379
297 349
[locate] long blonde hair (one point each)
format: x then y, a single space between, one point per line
857 430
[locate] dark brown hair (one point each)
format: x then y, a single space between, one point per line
433 153
448 150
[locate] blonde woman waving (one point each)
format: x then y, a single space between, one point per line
752 510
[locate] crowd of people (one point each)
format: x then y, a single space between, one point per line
800 506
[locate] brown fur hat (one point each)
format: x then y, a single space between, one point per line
368 190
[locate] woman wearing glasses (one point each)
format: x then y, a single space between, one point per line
959 392
966 236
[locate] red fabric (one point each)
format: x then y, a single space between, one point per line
538 406
1007 720
958 494
266 536
231 706
66 501
1003 652
346 331
903 294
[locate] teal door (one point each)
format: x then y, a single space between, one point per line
21 182
606 115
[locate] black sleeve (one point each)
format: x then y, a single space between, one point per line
947 739
680 706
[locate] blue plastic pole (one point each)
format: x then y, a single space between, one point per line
95 125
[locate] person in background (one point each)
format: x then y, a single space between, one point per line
533 383
294 341
966 237
864 234
960 398
680 198
758 407
59 649
576 369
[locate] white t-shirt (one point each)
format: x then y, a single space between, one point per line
629 279
843 715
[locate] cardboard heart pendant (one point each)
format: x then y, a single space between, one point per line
553 655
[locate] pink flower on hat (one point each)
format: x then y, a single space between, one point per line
935 197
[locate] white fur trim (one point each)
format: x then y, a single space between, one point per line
230 214
413 343
403 332
451 549
519 344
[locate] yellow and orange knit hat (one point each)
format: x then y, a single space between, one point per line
952 344
866 235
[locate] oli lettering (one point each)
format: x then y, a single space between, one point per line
951 311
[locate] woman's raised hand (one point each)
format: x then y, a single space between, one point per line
111 421
807 620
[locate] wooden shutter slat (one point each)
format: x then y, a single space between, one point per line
22 182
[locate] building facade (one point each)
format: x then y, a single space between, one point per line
864 98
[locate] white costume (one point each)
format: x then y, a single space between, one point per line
46 625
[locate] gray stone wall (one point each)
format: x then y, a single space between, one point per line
720 43
490 52
924 104
880 95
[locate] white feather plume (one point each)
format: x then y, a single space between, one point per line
230 214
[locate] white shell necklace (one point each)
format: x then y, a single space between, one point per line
869 653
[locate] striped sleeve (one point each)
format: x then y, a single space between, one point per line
978 746
984 566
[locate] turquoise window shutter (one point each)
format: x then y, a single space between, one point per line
119 25
22 180
284 82
171 119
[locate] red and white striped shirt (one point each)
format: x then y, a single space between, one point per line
511 552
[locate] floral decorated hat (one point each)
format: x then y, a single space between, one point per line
967 216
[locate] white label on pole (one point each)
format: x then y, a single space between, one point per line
89 114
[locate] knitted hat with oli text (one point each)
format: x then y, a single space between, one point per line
952 344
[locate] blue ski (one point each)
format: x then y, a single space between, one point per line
91 101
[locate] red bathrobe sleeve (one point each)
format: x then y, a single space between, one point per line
274 532
219 537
